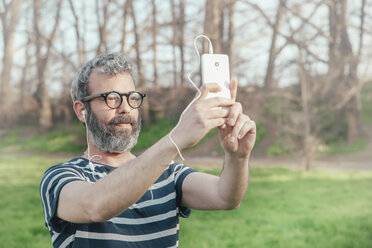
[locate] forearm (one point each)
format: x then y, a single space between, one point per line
124 186
233 180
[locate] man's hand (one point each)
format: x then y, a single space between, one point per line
239 134
202 116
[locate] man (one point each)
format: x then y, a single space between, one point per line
111 198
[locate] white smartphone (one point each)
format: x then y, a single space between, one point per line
215 69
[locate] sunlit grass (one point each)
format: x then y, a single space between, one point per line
290 209
342 148
282 208
21 212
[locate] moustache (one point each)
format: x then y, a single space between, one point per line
122 119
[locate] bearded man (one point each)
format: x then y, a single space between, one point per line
109 197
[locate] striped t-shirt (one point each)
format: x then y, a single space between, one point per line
150 222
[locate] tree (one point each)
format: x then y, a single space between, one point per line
45 111
9 19
80 42
269 81
154 43
343 66
102 19
125 12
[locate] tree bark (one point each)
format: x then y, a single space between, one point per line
269 82
80 48
181 38
343 66
125 21
307 149
140 81
212 24
146 118
9 20
174 42
102 25
45 111
229 44
154 44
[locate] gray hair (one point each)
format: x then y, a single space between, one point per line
107 64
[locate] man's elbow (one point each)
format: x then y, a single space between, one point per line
93 210
232 205
95 217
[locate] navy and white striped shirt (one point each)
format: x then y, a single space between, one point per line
150 222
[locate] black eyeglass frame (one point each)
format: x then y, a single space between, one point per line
105 94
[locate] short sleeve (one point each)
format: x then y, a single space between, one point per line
181 171
50 187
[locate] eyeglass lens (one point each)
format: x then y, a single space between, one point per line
134 100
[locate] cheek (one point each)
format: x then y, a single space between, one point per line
136 114
103 115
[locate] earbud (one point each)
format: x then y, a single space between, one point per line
83 113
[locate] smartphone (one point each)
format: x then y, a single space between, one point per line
215 69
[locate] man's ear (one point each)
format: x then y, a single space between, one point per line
80 111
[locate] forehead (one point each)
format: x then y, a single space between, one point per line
99 83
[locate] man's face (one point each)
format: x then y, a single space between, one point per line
112 130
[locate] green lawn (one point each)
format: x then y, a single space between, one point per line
282 208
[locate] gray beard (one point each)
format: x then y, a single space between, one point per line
112 139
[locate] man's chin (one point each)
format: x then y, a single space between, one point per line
126 129
124 125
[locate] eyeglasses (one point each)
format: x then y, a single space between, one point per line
114 99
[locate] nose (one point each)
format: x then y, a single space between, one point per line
124 108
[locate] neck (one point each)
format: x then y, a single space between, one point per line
112 159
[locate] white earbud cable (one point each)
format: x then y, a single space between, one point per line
87 152
210 50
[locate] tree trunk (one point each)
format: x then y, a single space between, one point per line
125 21
174 42
140 81
9 21
307 149
45 111
212 24
79 46
146 118
229 44
342 67
102 25
269 82
154 44
181 38
22 87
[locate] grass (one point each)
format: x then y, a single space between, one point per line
290 209
277 149
366 97
61 139
71 139
338 148
21 210
153 133
282 208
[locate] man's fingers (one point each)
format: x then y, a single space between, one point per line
235 112
216 122
233 88
209 87
217 113
237 127
248 127
215 102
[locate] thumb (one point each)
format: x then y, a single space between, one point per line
209 87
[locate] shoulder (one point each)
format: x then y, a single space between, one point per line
74 165
178 170
73 168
